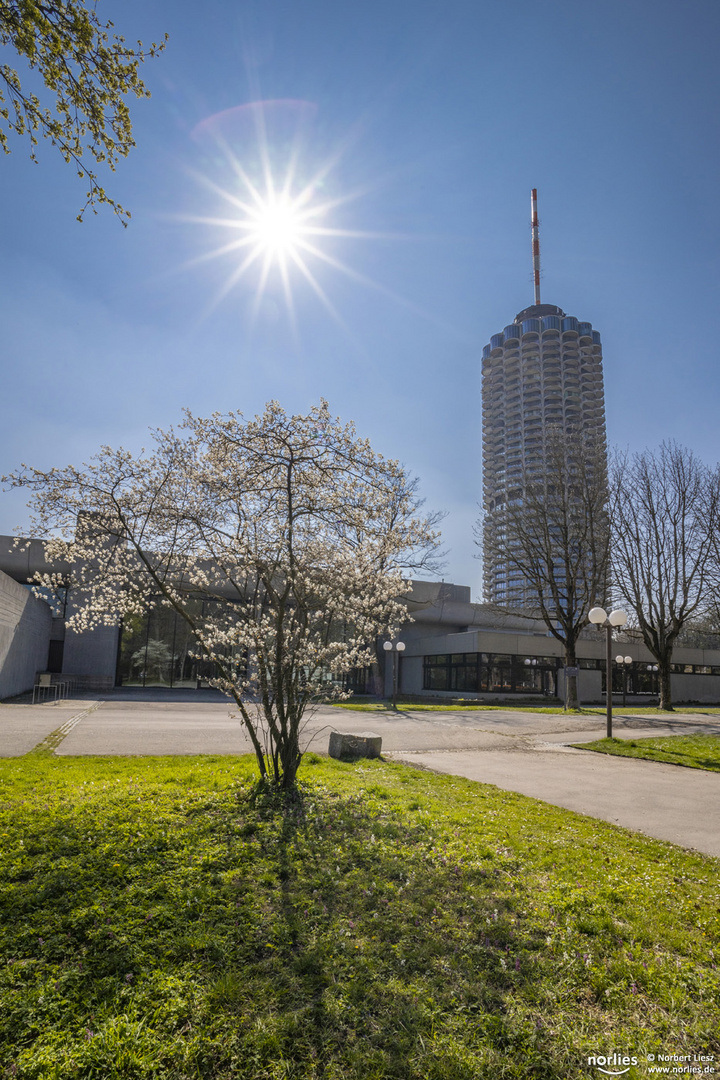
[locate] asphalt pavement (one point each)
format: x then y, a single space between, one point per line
519 751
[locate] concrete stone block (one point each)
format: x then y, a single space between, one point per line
344 745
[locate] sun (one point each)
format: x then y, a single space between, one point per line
278 232
277 227
280 222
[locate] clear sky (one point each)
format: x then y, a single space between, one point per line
422 127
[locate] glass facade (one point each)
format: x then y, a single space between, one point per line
503 673
491 673
694 669
157 649
637 679
642 678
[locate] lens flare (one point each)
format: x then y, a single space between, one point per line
280 211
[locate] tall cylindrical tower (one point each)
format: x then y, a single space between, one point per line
541 374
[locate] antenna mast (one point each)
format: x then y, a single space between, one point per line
535 244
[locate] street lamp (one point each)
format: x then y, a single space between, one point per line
654 667
600 618
625 660
531 662
399 647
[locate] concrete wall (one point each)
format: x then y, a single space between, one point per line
21 559
695 688
411 676
91 655
25 624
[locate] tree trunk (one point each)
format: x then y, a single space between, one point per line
288 778
665 701
571 681
378 670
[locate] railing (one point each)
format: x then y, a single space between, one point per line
52 687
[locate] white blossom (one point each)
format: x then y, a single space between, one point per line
292 530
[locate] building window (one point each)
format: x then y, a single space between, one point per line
491 673
636 679
436 673
464 671
158 649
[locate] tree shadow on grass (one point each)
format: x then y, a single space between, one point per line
691 760
157 934
389 956
660 754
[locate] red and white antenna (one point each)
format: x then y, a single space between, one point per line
535 244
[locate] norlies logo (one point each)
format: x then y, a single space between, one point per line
612 1059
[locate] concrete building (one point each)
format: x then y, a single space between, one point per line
25 634
541 375
453 648
458 649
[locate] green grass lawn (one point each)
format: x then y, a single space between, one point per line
158 922
466 706
383 706
694 751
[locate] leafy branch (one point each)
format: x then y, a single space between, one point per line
89 69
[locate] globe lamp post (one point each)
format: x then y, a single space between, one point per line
600 618
398 647
625 661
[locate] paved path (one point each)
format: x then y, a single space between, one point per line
515 750
23 727
667 802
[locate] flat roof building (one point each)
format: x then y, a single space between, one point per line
453 648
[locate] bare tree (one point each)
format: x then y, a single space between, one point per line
665 509
552 534
292 530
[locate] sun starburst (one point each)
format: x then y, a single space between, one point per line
280 225
277 226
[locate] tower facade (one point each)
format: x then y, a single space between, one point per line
541 377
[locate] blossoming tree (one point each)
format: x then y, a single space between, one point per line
293 532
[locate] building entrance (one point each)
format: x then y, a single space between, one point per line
158 649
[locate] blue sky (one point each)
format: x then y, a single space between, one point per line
436 120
